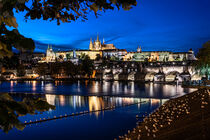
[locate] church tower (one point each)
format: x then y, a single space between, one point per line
97 38
91 44
139 49
50 55
97 44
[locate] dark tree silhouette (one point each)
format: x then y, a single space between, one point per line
42 69
203 62
87 66
59 10
21 71
10 110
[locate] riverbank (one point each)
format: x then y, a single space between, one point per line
186 117
197 86
89 79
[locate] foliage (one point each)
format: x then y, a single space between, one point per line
56 68
65 68
41 69
203 62
21 70
106 62
71 69
10 110
12 38
10 63
87 66
98 57
114 58
59 10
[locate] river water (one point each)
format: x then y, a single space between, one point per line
73 97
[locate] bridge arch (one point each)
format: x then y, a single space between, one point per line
172 76
195 77
159 77
150 76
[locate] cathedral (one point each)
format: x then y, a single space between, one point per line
98 48
97 45
50 55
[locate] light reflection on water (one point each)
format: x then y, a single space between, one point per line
97 88
72 104
88 96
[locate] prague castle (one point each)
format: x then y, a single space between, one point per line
98 48
97 45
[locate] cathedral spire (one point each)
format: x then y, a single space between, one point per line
91 41
91 44
103 41
139 49
97 38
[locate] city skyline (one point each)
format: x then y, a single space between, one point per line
168 26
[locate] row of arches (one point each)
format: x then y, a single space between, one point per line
171 77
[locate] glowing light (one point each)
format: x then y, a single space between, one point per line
95 103
62 100
34 85
49 87
50 99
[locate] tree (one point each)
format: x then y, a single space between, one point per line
98 57
70 69
10 110
21 70
10 63
56 68
41 69
59 10
87 66
203 63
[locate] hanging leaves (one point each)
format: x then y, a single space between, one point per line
58 10
11 21
94 7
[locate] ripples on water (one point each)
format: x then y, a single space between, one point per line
88 96
128 89
72 104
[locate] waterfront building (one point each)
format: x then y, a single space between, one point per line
159 56
98 48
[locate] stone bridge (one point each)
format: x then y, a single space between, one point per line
150 72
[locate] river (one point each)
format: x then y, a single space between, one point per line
73 97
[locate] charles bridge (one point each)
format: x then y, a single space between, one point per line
148 71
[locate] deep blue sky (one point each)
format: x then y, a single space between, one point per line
174 25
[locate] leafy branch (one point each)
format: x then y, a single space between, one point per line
59 10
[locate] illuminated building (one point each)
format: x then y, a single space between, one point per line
159 56
97 45
98 48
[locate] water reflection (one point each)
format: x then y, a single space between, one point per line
11 109
49 87
72 104
95 103
50 99
34 85
98 88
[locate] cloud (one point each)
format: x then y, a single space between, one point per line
113 38
43 46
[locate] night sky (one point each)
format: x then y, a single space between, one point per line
156 25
